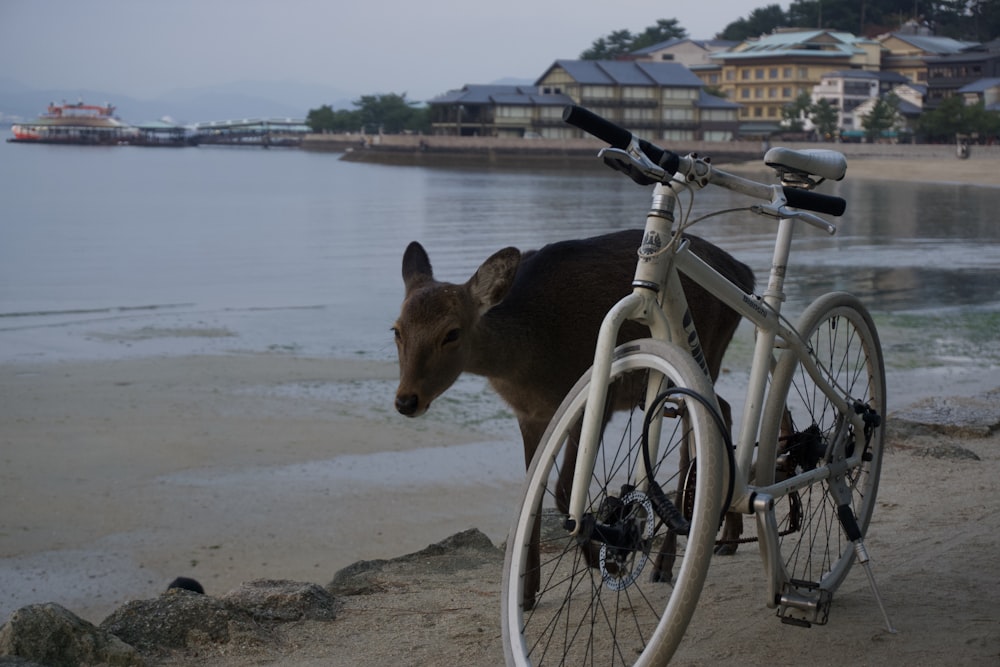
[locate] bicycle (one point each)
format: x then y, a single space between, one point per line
655 468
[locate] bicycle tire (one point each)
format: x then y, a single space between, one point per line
577 617
843 340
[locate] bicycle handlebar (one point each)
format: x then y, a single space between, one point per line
620 138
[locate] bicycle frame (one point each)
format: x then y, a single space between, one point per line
658 302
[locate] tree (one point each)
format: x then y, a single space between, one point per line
326 119
664 30
759 22
794 114
883 117
824 116
954 117
618 43
622 42
390 113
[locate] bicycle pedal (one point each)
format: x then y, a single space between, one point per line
803 604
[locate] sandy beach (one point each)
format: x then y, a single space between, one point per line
119 475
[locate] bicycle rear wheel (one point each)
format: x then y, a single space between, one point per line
625 600
815 549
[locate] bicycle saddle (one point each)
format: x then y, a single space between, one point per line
810 162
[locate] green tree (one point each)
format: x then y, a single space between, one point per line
793 115
326 119
617 43
390 113
622 42
759 22
664 30
824 116
883 117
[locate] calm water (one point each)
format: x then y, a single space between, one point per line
107 252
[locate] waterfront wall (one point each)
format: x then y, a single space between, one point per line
416 149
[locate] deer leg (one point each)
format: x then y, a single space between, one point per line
733 527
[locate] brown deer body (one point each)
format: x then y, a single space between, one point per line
529 323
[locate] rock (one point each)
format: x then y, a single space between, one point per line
53 636
960 417
177 619
463 551
282 601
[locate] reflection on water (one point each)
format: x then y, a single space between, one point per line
297 251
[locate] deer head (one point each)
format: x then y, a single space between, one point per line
436 331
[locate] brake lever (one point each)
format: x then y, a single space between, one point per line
635 164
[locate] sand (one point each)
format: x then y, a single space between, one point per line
118 475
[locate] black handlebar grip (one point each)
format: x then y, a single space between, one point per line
591 123
814 201
617 137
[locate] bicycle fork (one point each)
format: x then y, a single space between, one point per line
642 306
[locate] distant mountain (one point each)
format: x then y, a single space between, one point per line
244 99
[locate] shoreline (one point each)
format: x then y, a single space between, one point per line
121 475
930 163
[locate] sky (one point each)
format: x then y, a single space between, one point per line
422 48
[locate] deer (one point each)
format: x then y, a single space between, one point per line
528 322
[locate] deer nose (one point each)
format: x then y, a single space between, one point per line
407 404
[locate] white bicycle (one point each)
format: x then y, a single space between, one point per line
608 569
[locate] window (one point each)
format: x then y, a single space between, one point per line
786 92
772 92
638 92
772 73
598 92
745 75
787 72
678 135
758 93
679 94
641 114
745 93
758 73
678 114
730 75
551 112
504 111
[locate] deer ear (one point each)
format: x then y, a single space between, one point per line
416 266
492 281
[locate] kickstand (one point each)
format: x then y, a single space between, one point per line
862 553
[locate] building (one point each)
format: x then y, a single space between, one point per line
695 54
496 111
986 91
764 75
946 74
906 52
659 101
654 100
846 90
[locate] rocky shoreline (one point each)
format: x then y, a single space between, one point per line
933 544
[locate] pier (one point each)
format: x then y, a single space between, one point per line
252 132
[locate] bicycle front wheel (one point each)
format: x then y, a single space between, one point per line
624 593
811 432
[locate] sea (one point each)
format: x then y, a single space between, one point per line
111 252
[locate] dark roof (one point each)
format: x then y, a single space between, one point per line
934 44
980 86
473 94
706 101
627 73
707 44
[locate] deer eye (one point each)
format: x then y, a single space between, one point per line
395 332
450 337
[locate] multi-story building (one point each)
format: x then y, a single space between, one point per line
764 75
654 100
695 54
946 74
906 52
846 90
